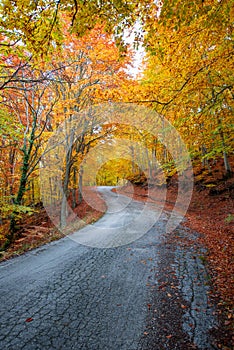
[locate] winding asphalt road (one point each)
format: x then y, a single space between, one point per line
114 285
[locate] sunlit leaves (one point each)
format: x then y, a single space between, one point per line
189 75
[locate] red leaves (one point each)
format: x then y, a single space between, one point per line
207 215
149 306
163 285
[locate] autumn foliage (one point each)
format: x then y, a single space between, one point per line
58 61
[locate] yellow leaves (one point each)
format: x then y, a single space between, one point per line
32 23
189 67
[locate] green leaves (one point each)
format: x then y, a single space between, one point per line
7 209
10 129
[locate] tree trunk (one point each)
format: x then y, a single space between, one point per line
205 161
154 157
63 211
33 192
20 194
74 203
148 164
80 185
227 166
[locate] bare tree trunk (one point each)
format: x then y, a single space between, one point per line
154 156
133 159
68 164
227 165
148 163
63 213
80 184
33 191
74 203
205 161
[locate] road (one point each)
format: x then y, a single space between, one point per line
115 285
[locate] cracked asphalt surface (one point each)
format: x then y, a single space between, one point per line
148 294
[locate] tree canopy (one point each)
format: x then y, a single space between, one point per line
37 25
61 57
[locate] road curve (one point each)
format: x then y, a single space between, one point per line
99 294
124 222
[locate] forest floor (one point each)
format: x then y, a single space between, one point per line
210 213
38 229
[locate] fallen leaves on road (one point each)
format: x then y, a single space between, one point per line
169 336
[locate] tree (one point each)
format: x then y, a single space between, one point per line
189 76
89 66
28 105
39 96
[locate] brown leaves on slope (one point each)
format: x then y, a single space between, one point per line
211 215
38 229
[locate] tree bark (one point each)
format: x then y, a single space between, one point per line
80 185
63 210
227 166
74 203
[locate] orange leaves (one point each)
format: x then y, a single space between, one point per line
169 336
91 66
